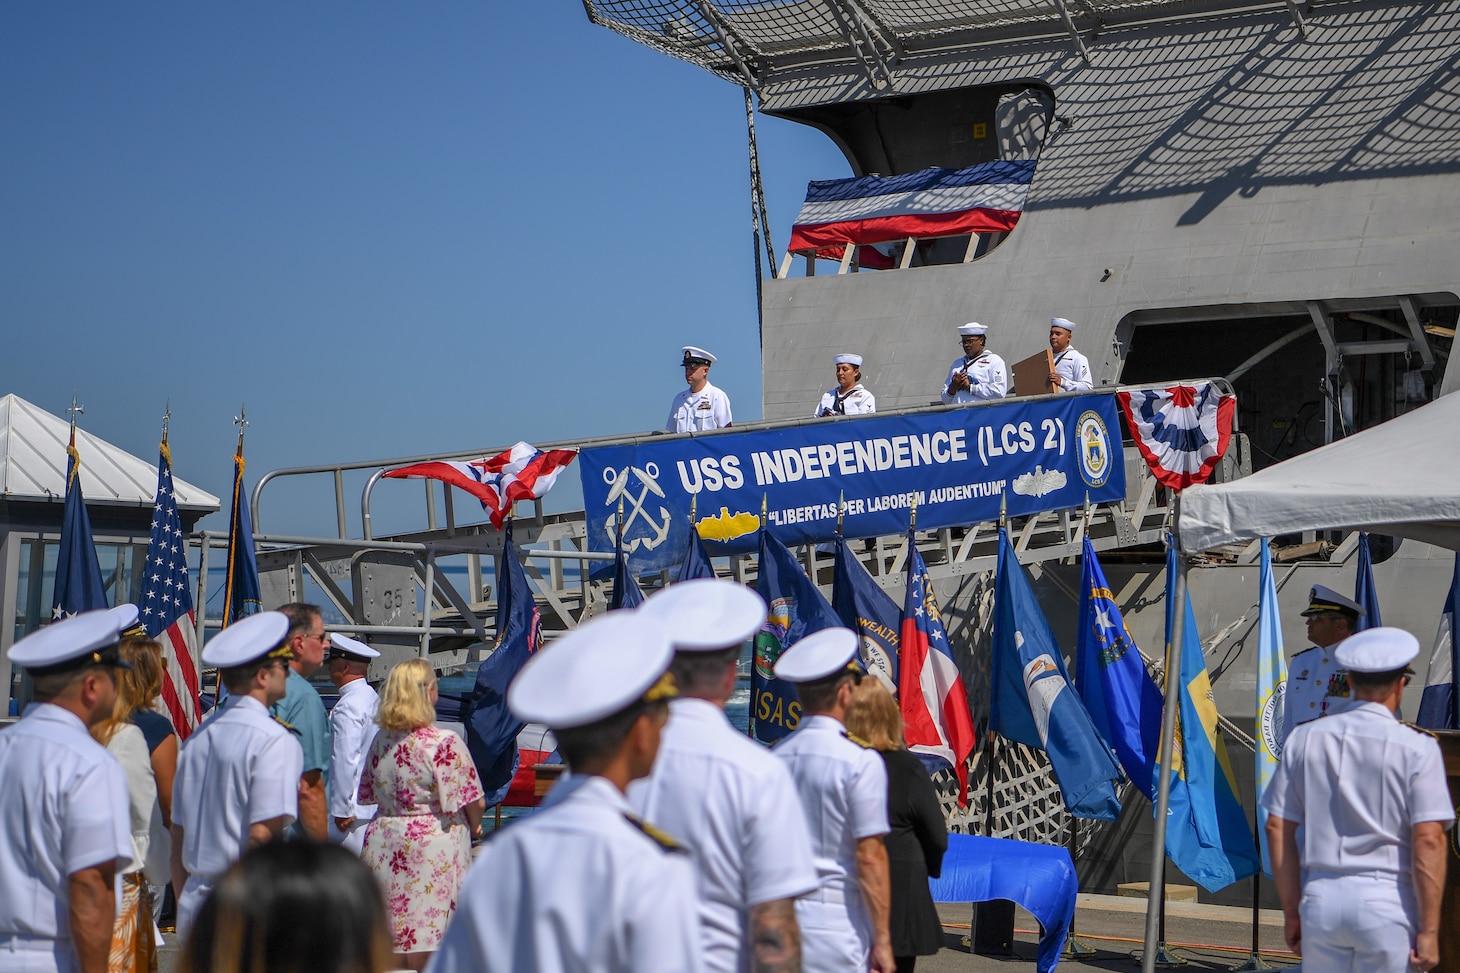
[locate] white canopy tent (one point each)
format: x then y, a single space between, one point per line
1400 477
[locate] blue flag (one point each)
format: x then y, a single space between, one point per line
78 573
626 590
1032 702
696 560
1364 591
797 609
1207 834
1439 707
241 591
1123 700
865 608
491 729
1272 687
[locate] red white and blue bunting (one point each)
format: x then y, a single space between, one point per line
1182 431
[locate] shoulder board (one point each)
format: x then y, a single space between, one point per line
858 741
655 835
289 726
1418 729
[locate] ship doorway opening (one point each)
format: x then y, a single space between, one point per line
1297 388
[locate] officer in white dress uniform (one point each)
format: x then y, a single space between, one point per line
727 798
1358 814
1316 686
237 782
979 374
584 884
849 398
701 406
843 788
65 825
1071 369
352 730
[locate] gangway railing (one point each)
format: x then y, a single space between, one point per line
396 589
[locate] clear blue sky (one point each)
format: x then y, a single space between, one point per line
389 228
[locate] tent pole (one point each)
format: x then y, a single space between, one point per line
1157 895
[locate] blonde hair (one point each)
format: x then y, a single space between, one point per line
136 687
405 700
874 716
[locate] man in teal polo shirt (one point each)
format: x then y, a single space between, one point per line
302 711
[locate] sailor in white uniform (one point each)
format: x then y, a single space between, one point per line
585 884
237 782
1071 369
979 374
65 825
1358 814
849 398
1316 686
727 798
843 788
352 731
701 406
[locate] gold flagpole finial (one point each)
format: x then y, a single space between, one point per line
620 517
241 421
841 511
1004 510
166 420
763 505
694 499
74 410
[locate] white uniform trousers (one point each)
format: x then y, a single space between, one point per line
835 932
1360 923
36 954
190 902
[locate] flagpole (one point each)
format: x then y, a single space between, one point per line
1254 959
1075 947
1155 938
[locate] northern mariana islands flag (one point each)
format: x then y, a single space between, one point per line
1033 703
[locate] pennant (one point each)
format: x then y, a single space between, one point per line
1207 834
1123 700
1032 700
936 721
491 729
796 609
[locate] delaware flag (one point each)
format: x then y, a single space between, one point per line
1123 700
1207 834
491 729
696 559
1364 591
869 611
796 609
241 590
1439 705
930 202
1272 687
78 573
936 721
1032 700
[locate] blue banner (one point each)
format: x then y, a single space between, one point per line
955 465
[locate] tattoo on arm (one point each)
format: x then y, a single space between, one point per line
775 939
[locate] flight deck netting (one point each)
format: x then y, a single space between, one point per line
736 38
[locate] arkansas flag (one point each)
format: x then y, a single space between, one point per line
935 716
523 472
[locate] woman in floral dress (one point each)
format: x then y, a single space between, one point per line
430 800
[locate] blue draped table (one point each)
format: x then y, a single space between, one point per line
1041 878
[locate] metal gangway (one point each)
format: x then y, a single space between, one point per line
427 592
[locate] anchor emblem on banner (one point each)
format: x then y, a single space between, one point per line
618 482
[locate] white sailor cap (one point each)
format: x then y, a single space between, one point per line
127 617
598 669
1381 649
973 328
1065 323
344 647
89 638
697 356
250 639
820 655
1325 599
854 360
706 614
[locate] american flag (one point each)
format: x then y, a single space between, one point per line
167 603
